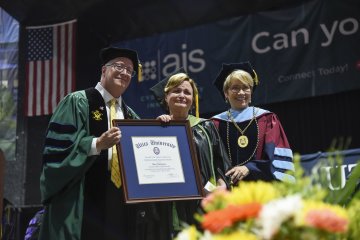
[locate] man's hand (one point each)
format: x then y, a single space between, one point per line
108 139
237 173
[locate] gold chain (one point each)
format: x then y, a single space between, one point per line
237 126
242 132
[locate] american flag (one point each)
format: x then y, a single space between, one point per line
50 66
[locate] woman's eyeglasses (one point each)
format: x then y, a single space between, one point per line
237 89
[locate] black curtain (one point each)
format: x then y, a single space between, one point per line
312 124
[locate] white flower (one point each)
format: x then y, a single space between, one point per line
189 233
274 213
183 235
206 236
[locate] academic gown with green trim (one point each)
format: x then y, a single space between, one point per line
80 200
211 154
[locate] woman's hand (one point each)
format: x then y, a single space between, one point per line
164 118
237 173
221 184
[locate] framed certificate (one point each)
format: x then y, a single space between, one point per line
158 161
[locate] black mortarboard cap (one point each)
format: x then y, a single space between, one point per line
228 68
158 89
110 53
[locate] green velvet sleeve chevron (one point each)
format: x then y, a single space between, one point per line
65 156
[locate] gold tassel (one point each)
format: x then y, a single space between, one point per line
256 79
197 105
140 73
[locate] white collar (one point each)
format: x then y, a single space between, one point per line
105 94
242 115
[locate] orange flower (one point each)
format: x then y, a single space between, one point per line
326 220
216 221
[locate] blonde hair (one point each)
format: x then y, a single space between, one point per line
179 78
240 75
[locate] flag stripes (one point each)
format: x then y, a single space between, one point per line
50 66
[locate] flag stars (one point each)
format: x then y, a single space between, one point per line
40 44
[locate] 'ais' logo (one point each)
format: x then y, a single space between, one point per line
191 60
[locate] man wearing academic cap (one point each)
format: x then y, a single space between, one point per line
80 181
256 142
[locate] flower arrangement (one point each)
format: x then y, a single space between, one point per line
305 209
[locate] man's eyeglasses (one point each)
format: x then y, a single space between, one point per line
120 68
237 89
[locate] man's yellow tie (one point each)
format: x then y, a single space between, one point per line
115 170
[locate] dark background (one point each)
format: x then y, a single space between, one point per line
311 124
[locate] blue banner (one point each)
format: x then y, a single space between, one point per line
304 51
349 158
9 38
9 28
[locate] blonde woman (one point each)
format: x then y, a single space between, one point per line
179 94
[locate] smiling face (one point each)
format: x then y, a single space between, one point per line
180 98
238 89
114 81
